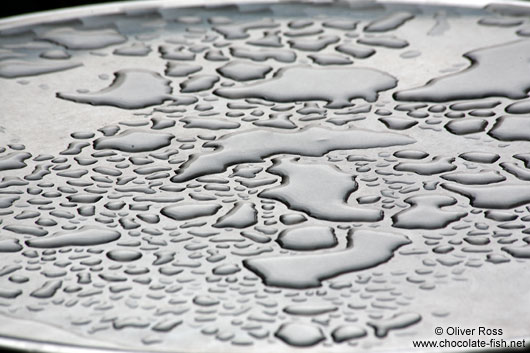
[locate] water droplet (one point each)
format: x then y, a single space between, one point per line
135 49
211 124
239 30
134 141
387 41
205 301
321 195
124 255
313 44
398 123
482 177
243 71
131 89
186 211
18 68
55 54
308 238
356 51
502 196
14 160
308 84
398 321
262 54
226 269
10 245
366 249
348 332
85 236
466 126
511 128
300 335
269 39
389 22
309 309
73 38
242 215
257 144
481 79
480 157
48 289
436 166
329 59
426 213
198 83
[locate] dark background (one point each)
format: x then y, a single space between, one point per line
20 7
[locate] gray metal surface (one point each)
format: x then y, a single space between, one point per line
328 177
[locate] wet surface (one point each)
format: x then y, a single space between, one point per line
265 177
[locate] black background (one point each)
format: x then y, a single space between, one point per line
18 7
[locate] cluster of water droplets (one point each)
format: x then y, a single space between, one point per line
273 182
